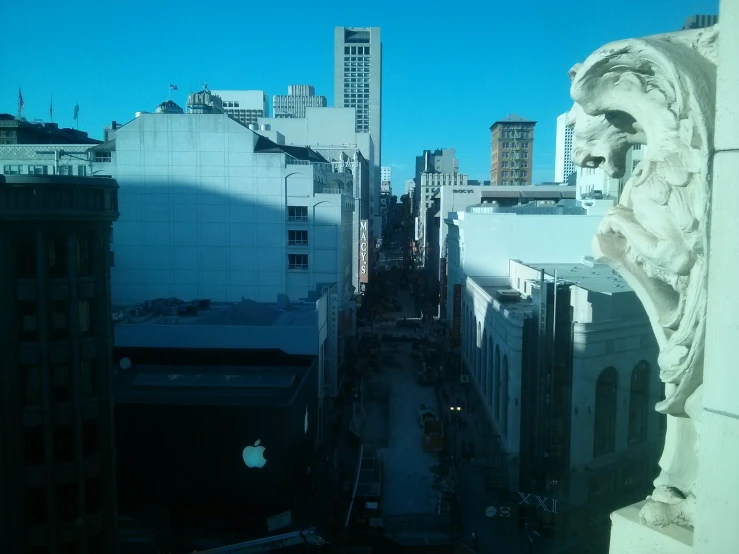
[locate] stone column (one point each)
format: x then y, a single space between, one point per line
718 481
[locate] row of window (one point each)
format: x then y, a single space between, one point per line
507 183
516 165
18 169
517 134
523 145
56 257
58 320
354 50
514 173
60 380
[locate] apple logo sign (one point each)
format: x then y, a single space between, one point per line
305 421
254 455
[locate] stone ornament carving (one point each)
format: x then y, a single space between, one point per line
658 91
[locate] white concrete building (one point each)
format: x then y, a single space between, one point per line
605 383
431 185
386 173
331 132
481 240
245 106
295 102
564 169
210 209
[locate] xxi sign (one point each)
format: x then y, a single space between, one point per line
541 502
363 251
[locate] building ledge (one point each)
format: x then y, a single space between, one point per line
629 536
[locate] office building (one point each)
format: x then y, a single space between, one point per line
386 173
358 84
58 464
245 106
204 102
566 376
699 22
297 99
544 225
564 170
441 160
331 132
511 151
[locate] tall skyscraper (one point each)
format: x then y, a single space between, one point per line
358 79
297 99
563 166
57 454
512 151
245 106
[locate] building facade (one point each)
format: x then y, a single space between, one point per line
211 209
570 402
245 106
20 131
482 240
58 462
700 22
512 151
294 103
564 169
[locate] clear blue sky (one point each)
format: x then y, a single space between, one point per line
450 68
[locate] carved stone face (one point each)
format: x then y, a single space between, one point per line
598 142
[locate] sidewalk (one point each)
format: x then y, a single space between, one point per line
496 534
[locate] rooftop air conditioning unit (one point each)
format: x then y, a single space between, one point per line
509 295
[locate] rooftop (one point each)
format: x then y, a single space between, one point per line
518 308
209 385
589 275
303 153
512 118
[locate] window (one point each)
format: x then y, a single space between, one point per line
61 391
639 403
524 174
84 314
524 145
81 170
604 432
93 495
66 170
87 378
103 157
58 320
297 238
28 321
38 509
297 213
297 261
25 258
64 443
84 255
90 437
637 147
66 502
38 170
31 384
505 154
12 169
505 174
505 164
56 251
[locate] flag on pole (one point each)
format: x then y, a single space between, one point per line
51 108
76 111
20 101
173 87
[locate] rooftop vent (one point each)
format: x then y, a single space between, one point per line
508 295
283 301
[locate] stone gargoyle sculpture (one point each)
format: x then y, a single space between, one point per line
658 91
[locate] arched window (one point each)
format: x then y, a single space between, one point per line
496 383
504 396
604 431
489 369
484 376
478 347
639 403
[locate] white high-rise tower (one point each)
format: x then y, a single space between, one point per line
564 169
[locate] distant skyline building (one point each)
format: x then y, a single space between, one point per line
512 151
297 99
358 84
386 173
205 101
244 106
699 22
564 169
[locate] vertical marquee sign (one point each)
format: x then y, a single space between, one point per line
363 251
457 316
